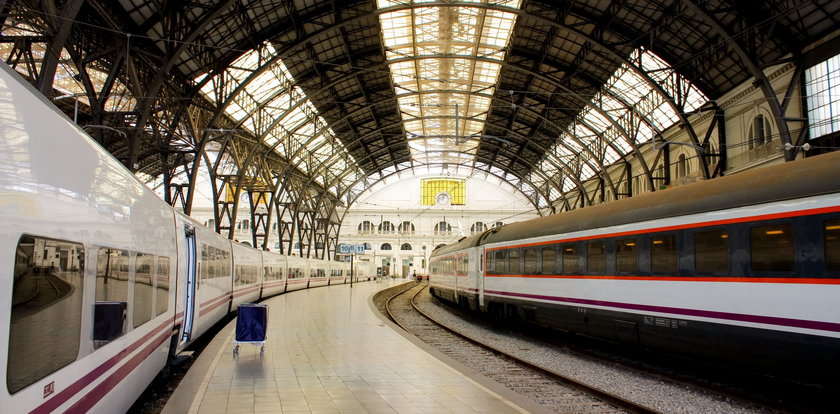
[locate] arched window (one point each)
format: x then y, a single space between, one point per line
405 246
366 227
443 229
760 132
385 246
406 228
386 227
477 227
245 224
682 166
498 224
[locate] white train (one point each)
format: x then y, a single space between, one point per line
741 270
108 282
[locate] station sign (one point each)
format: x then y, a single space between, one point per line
351 248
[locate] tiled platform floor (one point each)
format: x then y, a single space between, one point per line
328 352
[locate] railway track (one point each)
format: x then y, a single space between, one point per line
556 392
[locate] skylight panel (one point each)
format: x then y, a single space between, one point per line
271 99
633 104
436 88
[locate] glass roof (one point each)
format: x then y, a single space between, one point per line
277 111
445 62
626 109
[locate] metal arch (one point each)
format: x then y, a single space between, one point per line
594 157
601 166
56 45
610 51
145 103
758 74
525 143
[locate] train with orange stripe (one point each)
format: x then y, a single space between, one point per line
103 284
742 270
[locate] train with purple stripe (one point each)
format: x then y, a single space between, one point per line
103 284
742 270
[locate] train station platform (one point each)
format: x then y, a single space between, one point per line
329 351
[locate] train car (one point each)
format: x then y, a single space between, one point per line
742 270
319 273
456 272
88 307
214 278
363 271
274 274
105 283
297 273
247 275
337 273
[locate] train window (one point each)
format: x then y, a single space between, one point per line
162 286
143 289
771 248
246 274
570 259
46 309
514 265
499 262
111 287
711 251
548 257
465 263
595 257
832 244
215 262
663 253
530 261
626 256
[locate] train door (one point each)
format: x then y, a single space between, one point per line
480 275
189 291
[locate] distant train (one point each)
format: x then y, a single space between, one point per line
104 283
742 270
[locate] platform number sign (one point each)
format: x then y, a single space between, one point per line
351 248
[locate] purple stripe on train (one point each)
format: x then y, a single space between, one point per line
769 320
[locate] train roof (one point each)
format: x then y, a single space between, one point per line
462 243
802 178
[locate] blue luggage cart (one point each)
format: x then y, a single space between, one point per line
251 325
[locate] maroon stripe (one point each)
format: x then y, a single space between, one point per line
205 310
87 379
768 320
101 390
245 292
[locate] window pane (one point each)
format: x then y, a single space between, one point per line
513 262
111 287
570 260
143 289
771 248
162 300
499 262
711 251
46 314
595 260
530 261
832 244
663 253
626 256
548 257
